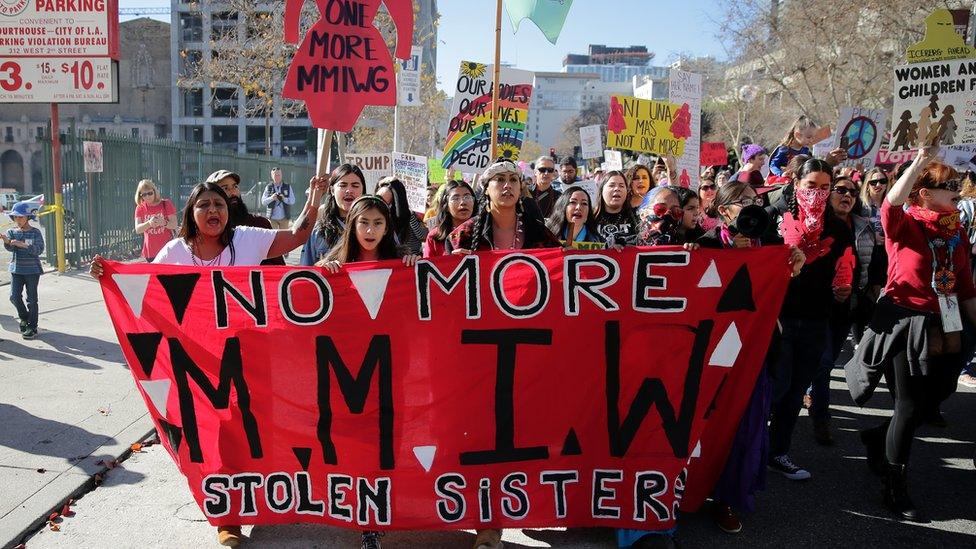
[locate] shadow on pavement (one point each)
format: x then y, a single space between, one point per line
14 350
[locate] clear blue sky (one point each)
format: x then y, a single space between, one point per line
467 29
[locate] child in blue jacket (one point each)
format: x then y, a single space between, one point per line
27 244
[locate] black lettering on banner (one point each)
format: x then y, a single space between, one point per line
425 273
574 286
306 505
652 392
354 392
271 484
484 500
601 492
498 286
336 509
256 309
450 505
512 487
679 490
644 281
507 341
216 501
374 498
288 308
248 484
648 486
231 372
559 480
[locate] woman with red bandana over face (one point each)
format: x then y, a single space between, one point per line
914 339
807 222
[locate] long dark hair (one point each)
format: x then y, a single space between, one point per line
534 230
601 206
399 210
347 249
444 222
813 165
726 195
557 220
189 230
329 225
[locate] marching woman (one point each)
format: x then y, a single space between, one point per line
346 184
408 230
745 468
616 220
807 221
641 180
455 207
914 339
572 220
501 223
207 239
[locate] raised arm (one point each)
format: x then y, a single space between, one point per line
402 13
288 239
898 193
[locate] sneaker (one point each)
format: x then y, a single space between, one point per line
785 466
29 333
726 519
229 536
967 380
371 540
23 326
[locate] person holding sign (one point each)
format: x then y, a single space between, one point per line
914 339
572 221
456 207
346 184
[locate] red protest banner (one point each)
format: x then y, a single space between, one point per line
523 389
714 153
343 64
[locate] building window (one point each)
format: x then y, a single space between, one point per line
40 132
225 137
224 26
295 140
135 133
191 27
101 131
255 139
193 102
193 134
224 102
191 60
9 135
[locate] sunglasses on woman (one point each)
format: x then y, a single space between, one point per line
707 187
844 191
953 185
147 193
546 170
878 182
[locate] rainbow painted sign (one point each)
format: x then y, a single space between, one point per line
468 145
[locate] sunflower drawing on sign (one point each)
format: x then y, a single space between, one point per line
859 137
473 70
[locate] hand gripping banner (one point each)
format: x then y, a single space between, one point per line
530 389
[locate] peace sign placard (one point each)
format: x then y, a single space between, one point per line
859 131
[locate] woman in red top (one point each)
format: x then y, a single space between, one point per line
914 339
456 207
155 219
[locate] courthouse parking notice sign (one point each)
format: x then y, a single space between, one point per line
526 389
58 51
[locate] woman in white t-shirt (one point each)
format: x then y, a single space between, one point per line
206 238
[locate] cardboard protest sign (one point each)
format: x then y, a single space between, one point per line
408 79
358 399
686 89
714 153
591 141
934 101
859 131
374 167
615 160
412 171
92 151
468 143
655 127
435 172
591 189
343 63
941 43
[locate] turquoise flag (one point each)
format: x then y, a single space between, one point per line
548 15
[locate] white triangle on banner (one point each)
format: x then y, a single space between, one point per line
133 289
727 350
425 455
158 392
371 286
696 453
710 279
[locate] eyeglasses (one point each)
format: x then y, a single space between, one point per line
953 185
878 182
457 199
546 170
843 191
707 187
747 202
147 193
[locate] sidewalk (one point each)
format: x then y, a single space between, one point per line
67 402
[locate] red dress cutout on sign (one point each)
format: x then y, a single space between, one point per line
681 126
343 63
616 123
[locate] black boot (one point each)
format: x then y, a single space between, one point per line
874 443
896 493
